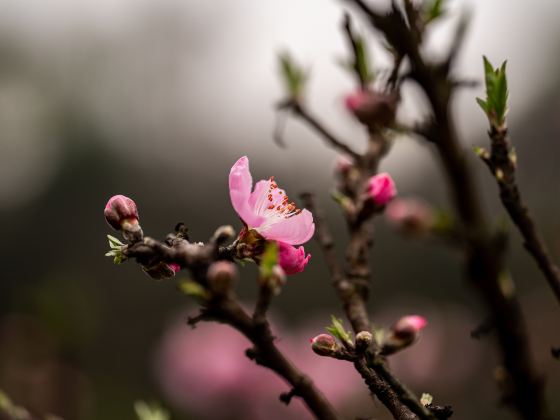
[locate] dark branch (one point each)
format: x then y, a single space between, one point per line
502 164
330 139
484 263
225 309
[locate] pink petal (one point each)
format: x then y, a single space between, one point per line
294 230
261 188
292 259
240 184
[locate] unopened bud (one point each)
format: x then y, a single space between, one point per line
381 189
174 267
221 276
292 260
373 109
120 210
121 213
363 341
343 164
324 345
404 333
410 216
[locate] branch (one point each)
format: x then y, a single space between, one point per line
330 139
222 307
403 405
265 353
502 164
353 42
484 254
350 295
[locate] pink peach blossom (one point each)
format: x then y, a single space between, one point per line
267 209
292 260
381 188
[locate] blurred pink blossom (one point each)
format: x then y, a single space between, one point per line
410 215
381 188
205 371
343 164
174 267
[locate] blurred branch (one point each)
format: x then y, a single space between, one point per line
330 139
359 60
484 250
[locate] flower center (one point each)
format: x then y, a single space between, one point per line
274 204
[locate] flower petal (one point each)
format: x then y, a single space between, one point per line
240 184
292 260
294 230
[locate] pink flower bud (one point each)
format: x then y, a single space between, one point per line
120 210
374 109
221 275
407 325
324 344
404 333
174 267
343 164
410 215
292 260
381 188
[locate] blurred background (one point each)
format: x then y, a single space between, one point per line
156 100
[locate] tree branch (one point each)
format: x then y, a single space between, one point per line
224 308
501 162
329 138
484 253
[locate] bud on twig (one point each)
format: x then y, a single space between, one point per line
363 341
373 109
324 345
404 333
221 276
121 214
410 216
292 260
381 189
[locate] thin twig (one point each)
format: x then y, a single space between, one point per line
352 41
330 139
403 392
502 164
354 304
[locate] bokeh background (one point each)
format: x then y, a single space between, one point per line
156 100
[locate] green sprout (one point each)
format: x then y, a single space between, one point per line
495 104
